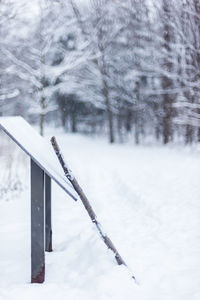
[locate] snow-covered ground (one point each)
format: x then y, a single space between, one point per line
148 201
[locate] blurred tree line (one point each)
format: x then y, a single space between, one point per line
130 69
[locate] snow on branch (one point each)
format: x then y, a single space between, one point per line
8 95
21 63
37 110
187 105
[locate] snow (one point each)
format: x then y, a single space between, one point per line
40 150
146 198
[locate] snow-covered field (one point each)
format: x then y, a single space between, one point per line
148 200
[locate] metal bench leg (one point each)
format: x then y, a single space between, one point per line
37 224
48 228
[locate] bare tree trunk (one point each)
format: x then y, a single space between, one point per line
63 119
167 119
42 124
102 70
42 107
119 127
109 111
166 81
189 134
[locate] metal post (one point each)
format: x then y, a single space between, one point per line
48 228
37 224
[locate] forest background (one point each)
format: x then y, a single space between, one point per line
128 69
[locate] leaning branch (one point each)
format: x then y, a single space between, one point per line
86 204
